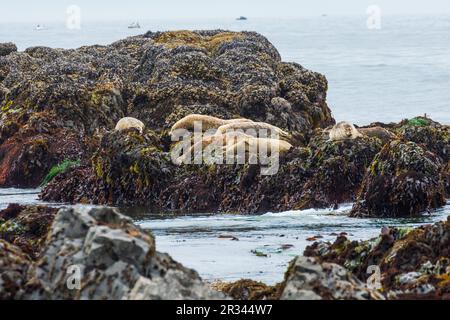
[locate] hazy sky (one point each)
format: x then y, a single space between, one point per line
44 10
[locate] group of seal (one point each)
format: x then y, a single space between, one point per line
228 136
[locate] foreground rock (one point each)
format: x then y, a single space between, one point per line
307 279
96 254
396 178
413 263
61 106
248 290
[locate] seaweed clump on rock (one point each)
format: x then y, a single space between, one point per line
26 227
414 263
403 180
336 170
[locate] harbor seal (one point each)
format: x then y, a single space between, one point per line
252 126
208 122
378 132
343 131
128 123
233 142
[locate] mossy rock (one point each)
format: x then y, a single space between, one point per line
404 179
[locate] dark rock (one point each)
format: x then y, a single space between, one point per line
26 227
7 48
336 170
413 263
248 290
13 269
60 98
403 180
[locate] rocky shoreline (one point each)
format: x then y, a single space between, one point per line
117 260
59 110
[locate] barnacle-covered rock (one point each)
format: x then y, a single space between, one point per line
308 279
431 135
247 290
157 78
403 180
336 170
411 263
13 271
26 227
100 254
131 166
7 48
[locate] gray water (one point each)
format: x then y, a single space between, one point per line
203 242
400 71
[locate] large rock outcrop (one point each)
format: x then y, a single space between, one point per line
26 227
53 101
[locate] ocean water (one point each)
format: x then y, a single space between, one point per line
397 72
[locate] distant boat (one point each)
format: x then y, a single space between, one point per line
241 18
134 25
40 27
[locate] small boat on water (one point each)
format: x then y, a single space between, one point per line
40 27
242 18
134 25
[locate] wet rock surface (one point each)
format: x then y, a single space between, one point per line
413 263
26 227
248 290
404 179
112 258
7 48
307 279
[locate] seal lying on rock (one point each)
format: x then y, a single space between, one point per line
128 123
252 126
344 131
257 144
233 142
378 132
208 122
